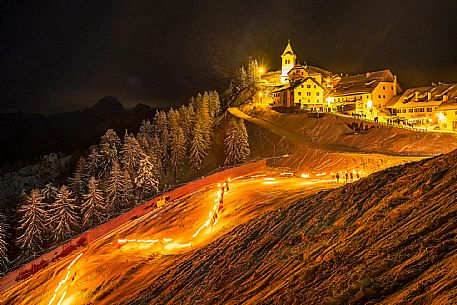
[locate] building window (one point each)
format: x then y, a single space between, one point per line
308 86
429 109
379 96
302 86
368 96
392 88
299 93
383 87
317 93
383 96
308 93
403 111
410 110
314 86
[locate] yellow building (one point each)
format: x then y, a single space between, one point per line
365 94
309 94
427 106
447 115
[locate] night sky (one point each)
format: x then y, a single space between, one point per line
67 55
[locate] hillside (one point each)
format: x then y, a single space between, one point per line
332 132
27 136
389 238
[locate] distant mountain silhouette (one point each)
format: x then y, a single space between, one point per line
26 136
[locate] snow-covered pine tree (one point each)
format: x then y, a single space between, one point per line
110 144
214 103
178 151
49 192
94 208
236 143
93 164
242 79
198 148
146 180
154 153
253 74
65 215
131 154
186 124
76 183
114 189
127 196
33 220
4 262
161 131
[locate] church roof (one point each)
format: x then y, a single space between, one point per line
288 49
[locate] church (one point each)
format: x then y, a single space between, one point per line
301 86
297 85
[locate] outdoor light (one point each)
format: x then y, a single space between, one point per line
260 93
261 70
370 104
440 116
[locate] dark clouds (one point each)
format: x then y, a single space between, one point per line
68 54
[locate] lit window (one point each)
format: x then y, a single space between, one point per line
314 86
308 93
308 86
317 93
429 109
299 93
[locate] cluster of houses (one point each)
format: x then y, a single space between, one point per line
372 95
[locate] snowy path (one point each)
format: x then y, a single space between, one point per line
120 266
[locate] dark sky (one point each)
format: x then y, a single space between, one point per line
68 54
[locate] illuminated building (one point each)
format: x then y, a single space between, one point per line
365 94
427 106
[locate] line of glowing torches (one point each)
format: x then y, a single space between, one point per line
62 282
176 245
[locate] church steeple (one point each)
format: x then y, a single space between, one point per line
289 60
288 49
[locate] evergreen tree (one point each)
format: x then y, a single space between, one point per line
253 74
115 187
236 143
93 164
110 144
126 198
161 131
198 149
131 154
215 104
64 215
33 219
155 151
178 152
186 124
146 180
77 184
94 208
4 262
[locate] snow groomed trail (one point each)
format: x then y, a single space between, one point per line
118 267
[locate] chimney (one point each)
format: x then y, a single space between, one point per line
416 95
395 85
368 75
445 97
429 96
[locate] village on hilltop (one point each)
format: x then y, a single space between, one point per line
373 96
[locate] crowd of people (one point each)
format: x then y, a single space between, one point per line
347 176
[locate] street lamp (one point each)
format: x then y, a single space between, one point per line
261 70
